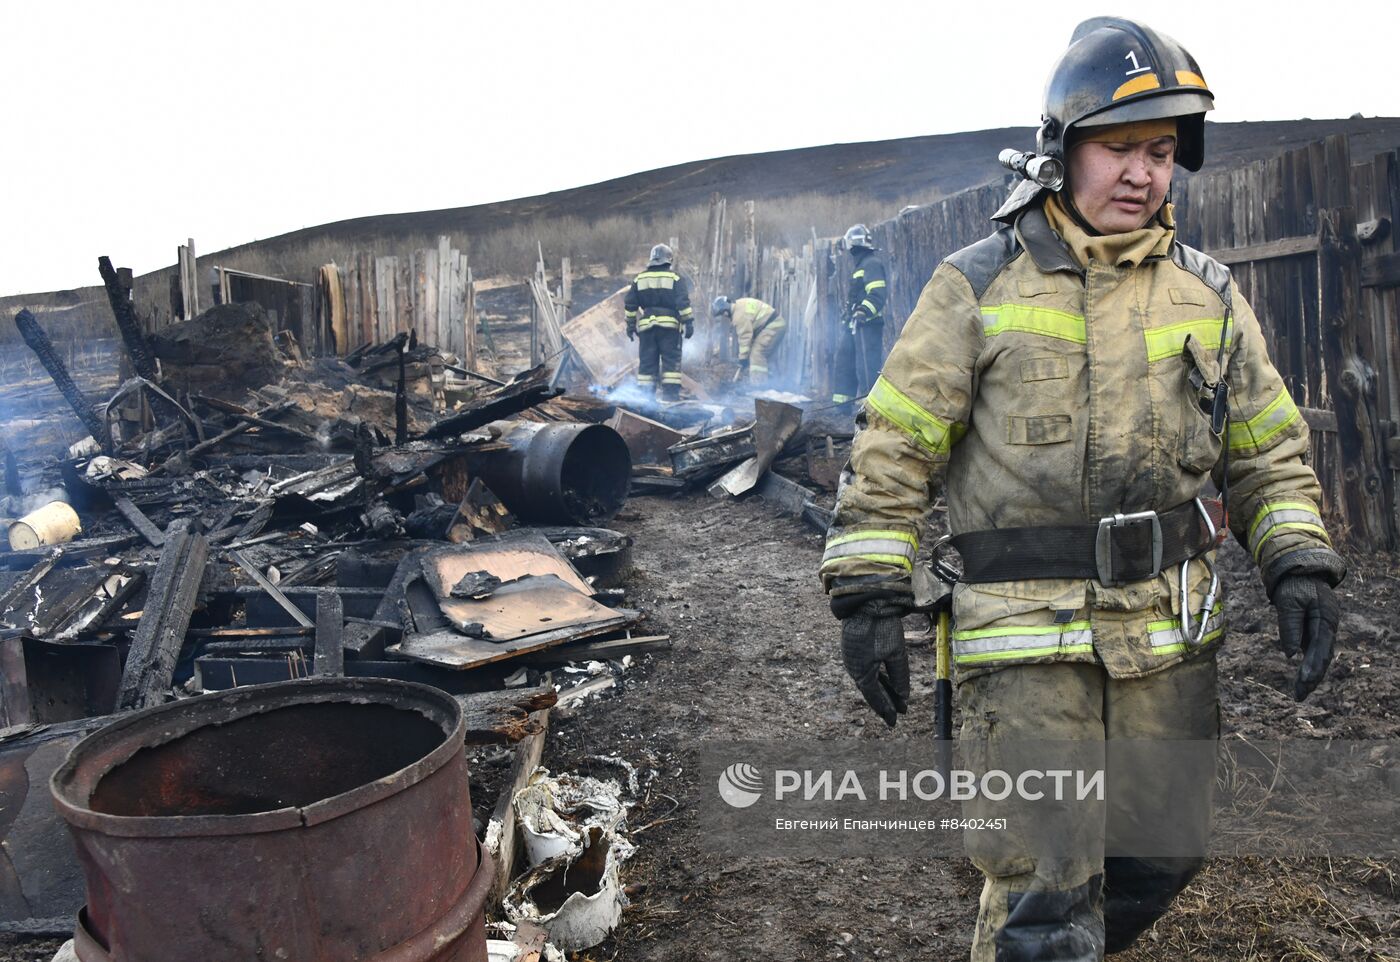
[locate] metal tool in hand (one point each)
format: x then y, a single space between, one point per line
933 596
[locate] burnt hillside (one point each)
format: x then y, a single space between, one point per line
797 190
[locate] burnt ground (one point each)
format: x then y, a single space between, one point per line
755 656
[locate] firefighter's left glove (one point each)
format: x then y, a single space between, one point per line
689 330
631 332
1308 614
873 651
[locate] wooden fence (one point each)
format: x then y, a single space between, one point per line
429 292
1308 235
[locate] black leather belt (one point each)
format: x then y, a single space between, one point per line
1118 550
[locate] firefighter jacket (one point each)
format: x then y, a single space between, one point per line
750 315
866 291
1048 382
658 297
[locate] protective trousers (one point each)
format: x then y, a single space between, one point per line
1080 905
765 344
659 360
859 354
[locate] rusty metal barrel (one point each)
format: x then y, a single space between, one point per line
322 819
557 473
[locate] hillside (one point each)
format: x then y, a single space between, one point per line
820 188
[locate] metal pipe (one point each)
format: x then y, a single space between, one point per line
556 473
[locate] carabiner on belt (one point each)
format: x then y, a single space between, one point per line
1185 629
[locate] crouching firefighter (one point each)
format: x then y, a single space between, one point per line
657 307
759 329
1074 381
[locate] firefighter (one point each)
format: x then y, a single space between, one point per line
861 341
759 328
1074 381
657 307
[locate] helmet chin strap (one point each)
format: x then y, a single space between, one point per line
1067 201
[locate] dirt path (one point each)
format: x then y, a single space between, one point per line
756 657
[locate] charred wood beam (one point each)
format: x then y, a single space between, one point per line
138 520
401 405
12 482
160 634
330 627
118 284
525 391
39 343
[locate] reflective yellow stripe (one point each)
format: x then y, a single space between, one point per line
775 324
1168 341
930 432
841 398
1190 79
1279 516
757 369
658 320
881 547
687 311
670 378
874 285
645 378
1005 318
858 274
1002 644
1264 426
870 308
1165 636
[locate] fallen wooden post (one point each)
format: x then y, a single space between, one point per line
117 281
502 835
39 343
160 634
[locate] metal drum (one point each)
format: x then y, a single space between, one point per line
321 819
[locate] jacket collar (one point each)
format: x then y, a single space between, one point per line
1048 251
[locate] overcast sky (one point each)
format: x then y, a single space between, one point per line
129 126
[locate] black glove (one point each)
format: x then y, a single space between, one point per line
689 330
1308 614
743 364
631 332
872 639
858 318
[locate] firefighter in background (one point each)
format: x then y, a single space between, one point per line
1078 378
861 342
658 308
759 328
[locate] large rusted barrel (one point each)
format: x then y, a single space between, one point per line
556 473
323 819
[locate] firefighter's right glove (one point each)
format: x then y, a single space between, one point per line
873 651
631 332
858 318
689 330
1308 614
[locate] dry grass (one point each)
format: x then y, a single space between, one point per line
1281 910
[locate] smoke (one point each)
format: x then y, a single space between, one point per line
629 394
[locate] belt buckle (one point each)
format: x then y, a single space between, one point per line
1103 548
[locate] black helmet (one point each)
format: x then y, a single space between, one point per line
858 235
661 255
1118 71
720 305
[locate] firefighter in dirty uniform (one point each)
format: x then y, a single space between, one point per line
1074 381
860 342
657 307
759 328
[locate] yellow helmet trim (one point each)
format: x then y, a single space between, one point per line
1137 85
1188 79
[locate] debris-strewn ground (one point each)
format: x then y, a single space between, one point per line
755 656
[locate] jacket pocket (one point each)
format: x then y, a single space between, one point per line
1044 369
1200 446
1040 429
1019 621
